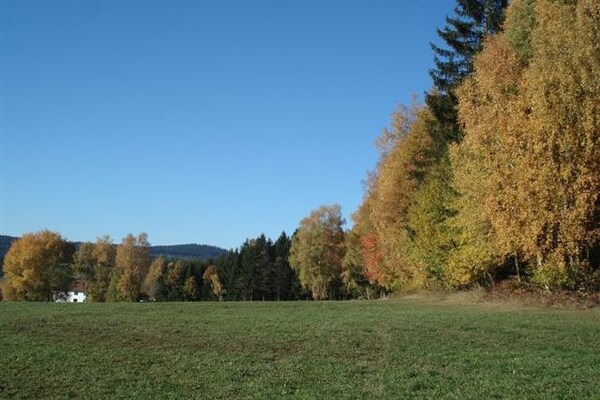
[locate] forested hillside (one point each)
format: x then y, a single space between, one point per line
187 251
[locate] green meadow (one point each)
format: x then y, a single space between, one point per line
406 348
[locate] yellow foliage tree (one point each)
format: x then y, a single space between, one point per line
151 281
561 166
484 165
399 175
533 134
190 289
368 254
132 262
212 280
36 266
318 249
104 255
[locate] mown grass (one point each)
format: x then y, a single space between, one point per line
376 349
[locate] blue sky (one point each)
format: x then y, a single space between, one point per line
198 121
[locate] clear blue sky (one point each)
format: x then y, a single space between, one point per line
199 121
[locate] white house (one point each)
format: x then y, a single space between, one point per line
76 294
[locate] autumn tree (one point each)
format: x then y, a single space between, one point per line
83 261
531 114
430 238
484 165
317 251
191 291
174 279
105 254
368 254
353 276
362 264
425 241
151 282
132 262
213 282
36 266
399 175
93 264
560 157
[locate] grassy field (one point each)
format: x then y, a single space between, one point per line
376 349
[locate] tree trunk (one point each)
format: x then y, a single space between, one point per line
517 268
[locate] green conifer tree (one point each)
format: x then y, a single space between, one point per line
463 36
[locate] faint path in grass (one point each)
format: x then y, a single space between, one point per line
379 349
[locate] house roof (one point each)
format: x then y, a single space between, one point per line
77 285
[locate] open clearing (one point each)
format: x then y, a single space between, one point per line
357 349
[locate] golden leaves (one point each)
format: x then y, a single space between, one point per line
533 129
36 266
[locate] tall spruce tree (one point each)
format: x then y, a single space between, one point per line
254 270
286 285
463 35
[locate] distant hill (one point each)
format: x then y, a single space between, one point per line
5 242
187 251
184 251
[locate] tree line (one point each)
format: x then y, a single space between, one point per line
497 175
42 266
